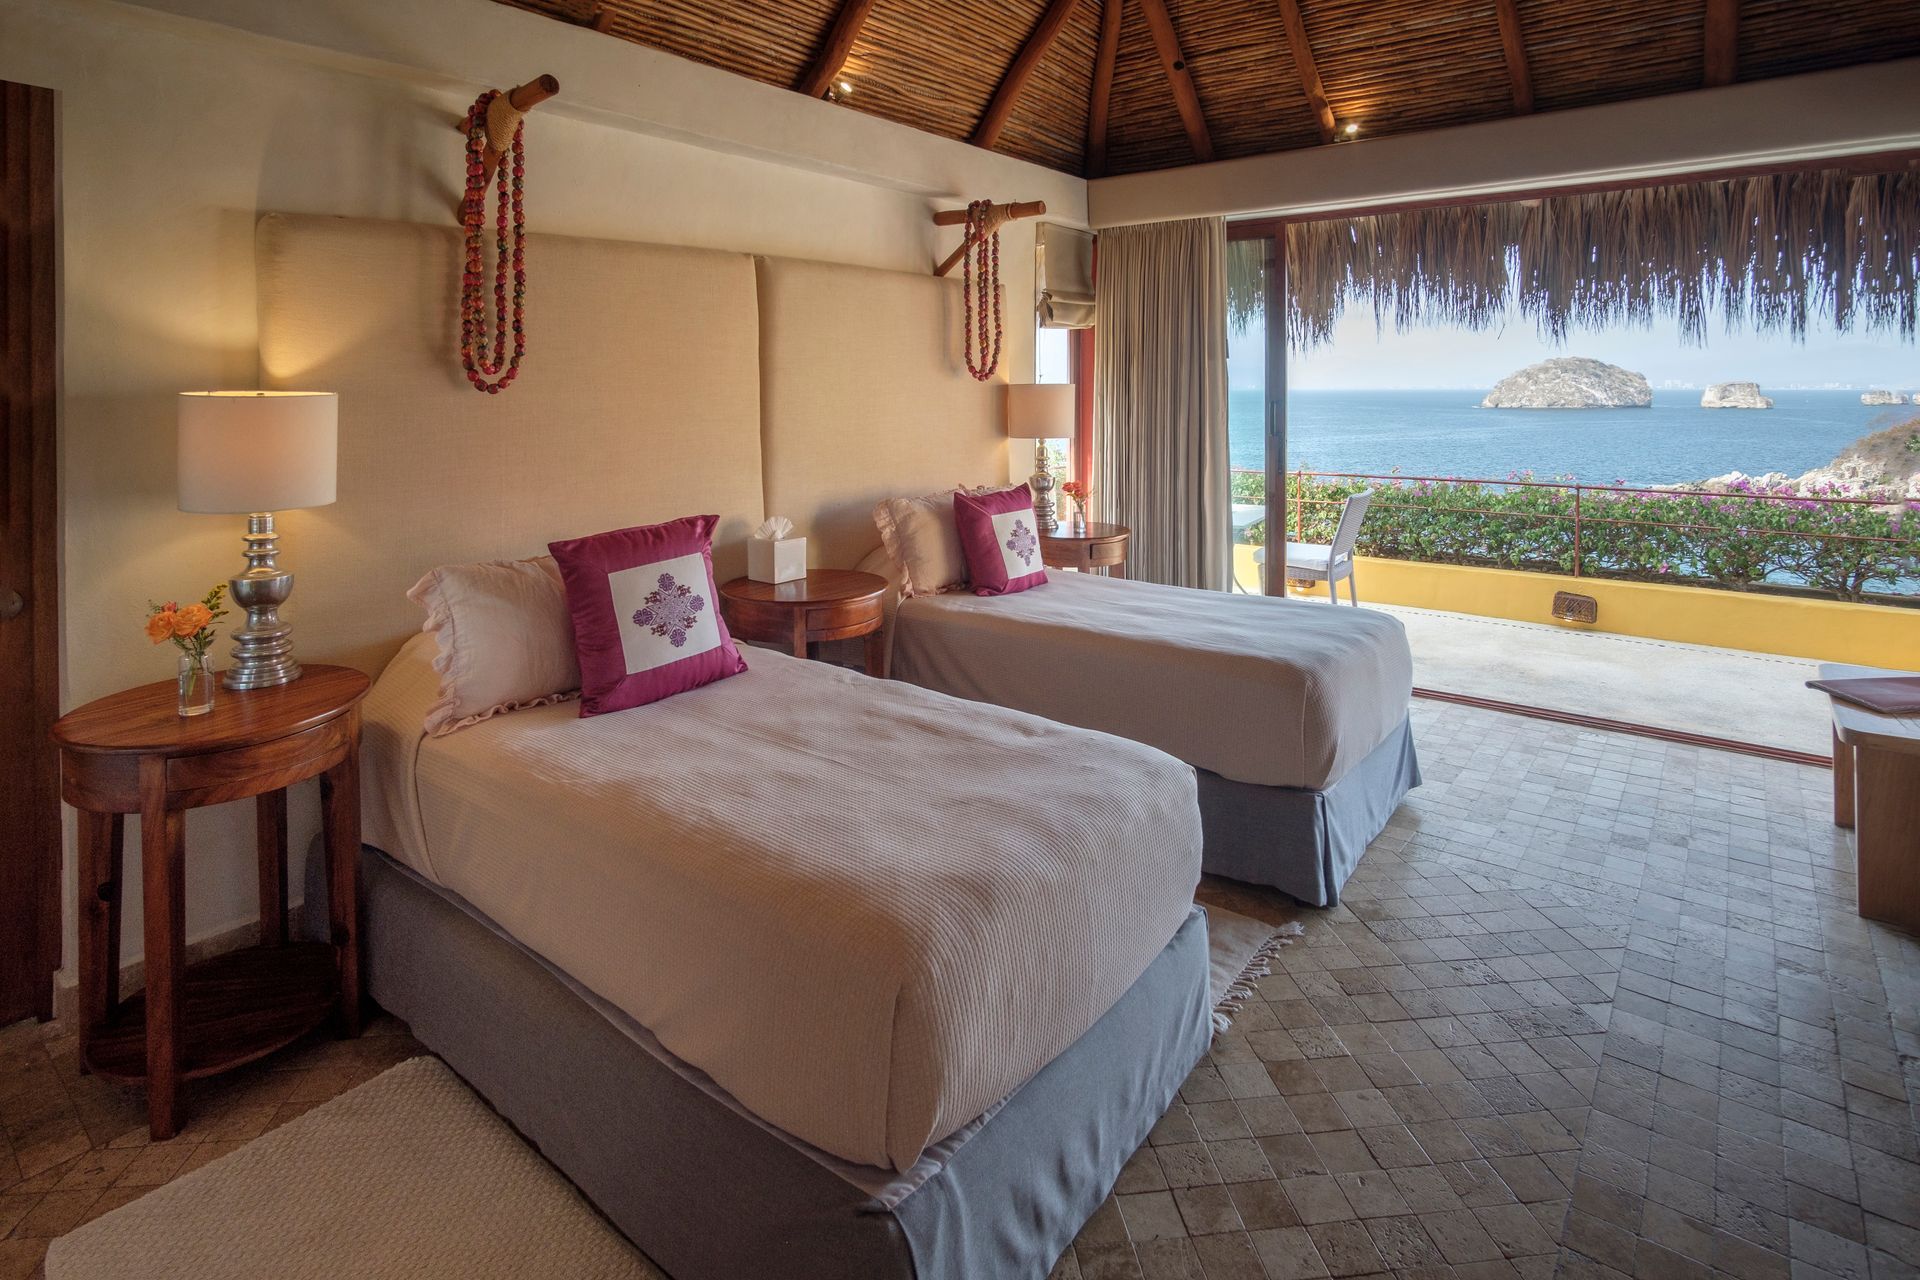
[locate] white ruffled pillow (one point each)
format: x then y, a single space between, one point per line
504 636
920 536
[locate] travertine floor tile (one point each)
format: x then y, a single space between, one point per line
1593 1007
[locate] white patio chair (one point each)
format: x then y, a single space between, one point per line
1316 562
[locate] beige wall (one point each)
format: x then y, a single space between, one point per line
176 134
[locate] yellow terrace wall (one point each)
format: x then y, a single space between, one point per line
1828 630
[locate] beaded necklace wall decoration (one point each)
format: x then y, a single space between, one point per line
981 252
494 123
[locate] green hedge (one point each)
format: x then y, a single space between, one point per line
1727 541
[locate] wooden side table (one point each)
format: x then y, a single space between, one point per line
133 753
827 604
1876 792
1087 547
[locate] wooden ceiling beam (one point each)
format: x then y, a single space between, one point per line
1175 65
839 44
1309 71
1014 83
1103 62
1723 41
1513 42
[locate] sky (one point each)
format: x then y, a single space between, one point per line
1359 357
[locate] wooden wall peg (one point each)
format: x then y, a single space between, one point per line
996 217
504 114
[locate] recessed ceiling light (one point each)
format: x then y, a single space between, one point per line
845 88
1351 128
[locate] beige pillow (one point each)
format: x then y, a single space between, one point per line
920 536
504 636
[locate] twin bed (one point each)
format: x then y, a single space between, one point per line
797 973
1294 713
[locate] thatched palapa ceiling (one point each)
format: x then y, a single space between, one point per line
1119 86
1768 253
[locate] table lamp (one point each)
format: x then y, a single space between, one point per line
253 453
1041 412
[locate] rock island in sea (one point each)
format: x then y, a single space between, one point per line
1571 382
1734 395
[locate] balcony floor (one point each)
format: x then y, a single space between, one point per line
1723 693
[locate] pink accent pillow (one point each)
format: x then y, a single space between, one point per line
1001 540
646 616
504 639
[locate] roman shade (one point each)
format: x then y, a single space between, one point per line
1063 274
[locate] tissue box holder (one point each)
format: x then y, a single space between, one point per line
776 560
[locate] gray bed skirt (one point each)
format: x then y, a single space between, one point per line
1305 843
709 1194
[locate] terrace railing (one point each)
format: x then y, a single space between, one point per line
1855 546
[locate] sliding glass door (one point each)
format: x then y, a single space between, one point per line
1257 403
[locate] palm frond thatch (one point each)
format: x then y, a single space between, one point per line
1768 252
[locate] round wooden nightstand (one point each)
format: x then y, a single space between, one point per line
827 604
134 753
1087 547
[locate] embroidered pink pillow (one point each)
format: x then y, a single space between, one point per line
1000 539
646 617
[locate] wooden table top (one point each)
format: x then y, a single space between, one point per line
1093 531
147 719
1858 726
820 586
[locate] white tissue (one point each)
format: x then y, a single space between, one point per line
774 528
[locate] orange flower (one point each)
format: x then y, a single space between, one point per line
160 625
190 619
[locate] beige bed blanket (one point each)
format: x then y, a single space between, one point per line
867 911
1282 693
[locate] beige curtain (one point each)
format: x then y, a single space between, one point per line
1160 398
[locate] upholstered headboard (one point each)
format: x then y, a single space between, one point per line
638 402
864 395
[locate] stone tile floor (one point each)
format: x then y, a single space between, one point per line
1594 1006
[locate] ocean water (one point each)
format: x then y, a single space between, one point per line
1444 433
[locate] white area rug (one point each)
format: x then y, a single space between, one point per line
1241 950
408 1175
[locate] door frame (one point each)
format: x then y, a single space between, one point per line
29 188
1273 228
1274 233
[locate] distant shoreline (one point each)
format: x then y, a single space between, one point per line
1482 390
1443 431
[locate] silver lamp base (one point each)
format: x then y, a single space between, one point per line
263 649
1042 483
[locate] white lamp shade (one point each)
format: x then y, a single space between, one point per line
244 451
1040 411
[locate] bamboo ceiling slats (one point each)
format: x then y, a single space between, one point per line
1244 75
769 40
1777 39
1145 130
1392 66
1582 55
935 64
1049 126
1440 65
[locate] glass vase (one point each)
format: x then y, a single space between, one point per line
196 684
